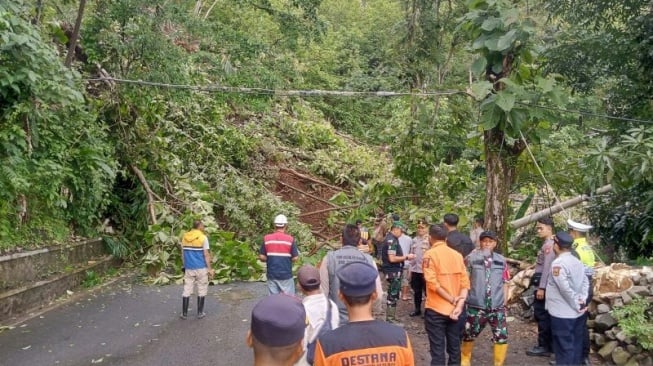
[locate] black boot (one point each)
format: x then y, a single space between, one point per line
200 307
184 307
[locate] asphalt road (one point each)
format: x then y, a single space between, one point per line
127 323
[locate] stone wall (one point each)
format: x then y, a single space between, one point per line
616 286
19 269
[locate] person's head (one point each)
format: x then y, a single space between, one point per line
577 229
351 235
397 228
359 223
357 284
488 240
309 279
277 330
422 227
544 227
450 221
562 242
479 221
280 221
437 232
198 225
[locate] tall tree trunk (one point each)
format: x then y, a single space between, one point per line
73 40
500 165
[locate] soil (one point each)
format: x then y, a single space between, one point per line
311 196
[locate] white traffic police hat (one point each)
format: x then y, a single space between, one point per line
581 228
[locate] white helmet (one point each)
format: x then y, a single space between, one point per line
280 220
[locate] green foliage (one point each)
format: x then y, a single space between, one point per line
91 279
56 163
625 218
234 259
635 319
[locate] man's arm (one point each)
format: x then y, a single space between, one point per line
562 282
262 254
397 255
294 251
324 275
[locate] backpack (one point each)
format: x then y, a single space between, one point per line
326 326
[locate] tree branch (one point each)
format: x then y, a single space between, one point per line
148 190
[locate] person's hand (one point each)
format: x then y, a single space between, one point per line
410 256
455 314
539 294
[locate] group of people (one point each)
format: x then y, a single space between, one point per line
464 282
563 289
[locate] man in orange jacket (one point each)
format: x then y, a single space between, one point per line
447 284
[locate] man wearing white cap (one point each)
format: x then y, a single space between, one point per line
582 248
279 250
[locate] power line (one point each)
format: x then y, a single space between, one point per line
280 92
343 93
590 114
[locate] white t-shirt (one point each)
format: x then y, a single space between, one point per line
405 242
316 311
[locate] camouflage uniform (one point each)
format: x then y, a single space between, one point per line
492 311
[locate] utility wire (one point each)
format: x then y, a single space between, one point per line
343 93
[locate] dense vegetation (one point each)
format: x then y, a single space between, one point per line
206 119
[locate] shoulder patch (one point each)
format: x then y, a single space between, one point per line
555 270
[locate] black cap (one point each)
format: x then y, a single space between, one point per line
278 320
563 239
488 234
357 279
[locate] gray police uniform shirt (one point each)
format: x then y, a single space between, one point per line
567 287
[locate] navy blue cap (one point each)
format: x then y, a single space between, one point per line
563 239
357 279
278 320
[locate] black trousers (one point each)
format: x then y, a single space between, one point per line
543 324
444 334
418 285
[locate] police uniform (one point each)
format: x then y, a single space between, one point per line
566 292
585 254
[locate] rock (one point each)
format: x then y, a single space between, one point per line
609 334
622 336
627 299
617 302
644 281
649 277
638 291
604 322
590 324
607 349
599 339
620 356
645 361
636 277
603 308
634 349
632 361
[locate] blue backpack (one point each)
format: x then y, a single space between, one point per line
326 326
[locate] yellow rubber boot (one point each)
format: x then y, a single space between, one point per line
500 351
466 353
